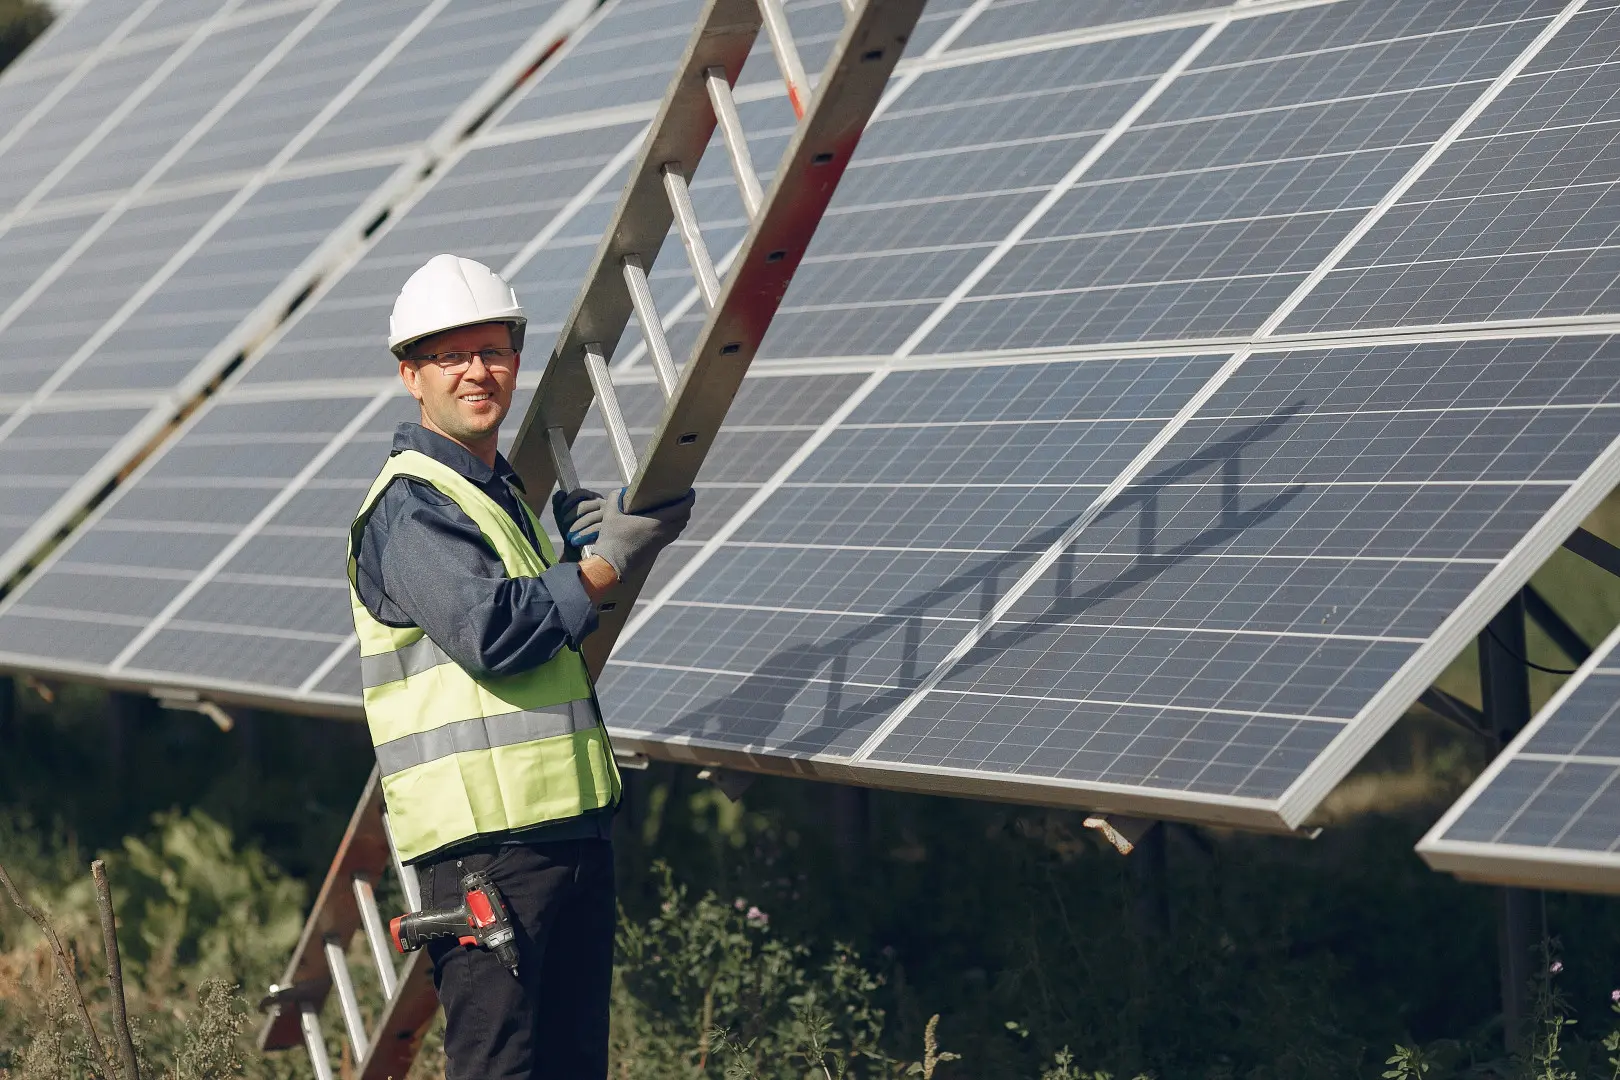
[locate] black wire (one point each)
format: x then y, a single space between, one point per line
1525 660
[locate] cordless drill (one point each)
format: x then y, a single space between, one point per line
480 921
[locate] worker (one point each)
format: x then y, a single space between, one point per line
487 730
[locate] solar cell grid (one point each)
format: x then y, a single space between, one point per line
1516 222
1250 175
117 159
152 296
1269 574
1548 810
1006 20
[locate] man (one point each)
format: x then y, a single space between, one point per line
486 726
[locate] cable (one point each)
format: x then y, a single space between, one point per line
1525 660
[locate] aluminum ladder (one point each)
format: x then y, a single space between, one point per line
832 116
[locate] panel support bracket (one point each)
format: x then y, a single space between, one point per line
1124 833
1595 550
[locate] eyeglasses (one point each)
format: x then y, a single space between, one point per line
454 363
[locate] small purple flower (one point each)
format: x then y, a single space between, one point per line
1557 966
1614 996
757 917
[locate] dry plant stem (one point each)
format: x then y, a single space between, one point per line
115 971
63 964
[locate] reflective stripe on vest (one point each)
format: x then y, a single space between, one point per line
484 733
463 756
402 663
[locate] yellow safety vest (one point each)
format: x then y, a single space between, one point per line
461 756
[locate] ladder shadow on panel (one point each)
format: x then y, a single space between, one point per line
765 696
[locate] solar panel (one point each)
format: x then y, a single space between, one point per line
1516 222
1545 812
1034 493
182 196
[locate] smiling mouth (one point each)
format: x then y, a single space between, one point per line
476 398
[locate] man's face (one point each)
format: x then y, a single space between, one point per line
467 406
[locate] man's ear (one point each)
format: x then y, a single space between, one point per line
411 377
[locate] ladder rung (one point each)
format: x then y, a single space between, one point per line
731 133
338 965
309 1020
406 874
787 55
376 936
652 325
562 459
607 400
686 223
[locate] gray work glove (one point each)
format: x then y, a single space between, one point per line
579 518
629 541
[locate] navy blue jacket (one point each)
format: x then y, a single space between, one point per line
422 562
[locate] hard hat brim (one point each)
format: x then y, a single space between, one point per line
518 323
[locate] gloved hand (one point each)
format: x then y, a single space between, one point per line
629 541
579 517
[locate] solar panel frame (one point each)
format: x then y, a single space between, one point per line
1502 861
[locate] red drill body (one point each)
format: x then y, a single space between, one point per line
481 921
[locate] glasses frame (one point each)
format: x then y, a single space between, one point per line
503 358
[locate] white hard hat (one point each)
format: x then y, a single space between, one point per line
447 292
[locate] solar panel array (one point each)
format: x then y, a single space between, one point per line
1107 450
1544 814
178 178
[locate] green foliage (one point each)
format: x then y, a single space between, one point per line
1408 1063
198 917
706 987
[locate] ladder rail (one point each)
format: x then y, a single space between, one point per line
723 37
364 849
809 173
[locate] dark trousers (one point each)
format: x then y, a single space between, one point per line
551 1022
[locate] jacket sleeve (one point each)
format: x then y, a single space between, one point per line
438 569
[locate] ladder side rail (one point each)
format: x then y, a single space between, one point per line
363 850
856 77
723 37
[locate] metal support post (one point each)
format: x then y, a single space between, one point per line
1555 626
852 818
1505 692
1149 868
